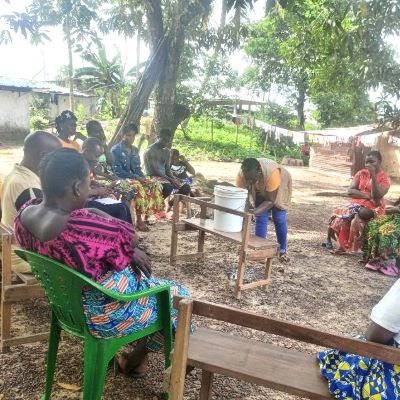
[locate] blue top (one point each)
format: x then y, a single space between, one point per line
126 166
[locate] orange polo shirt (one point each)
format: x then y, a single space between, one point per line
272 183
71 145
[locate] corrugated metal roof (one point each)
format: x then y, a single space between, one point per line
39 87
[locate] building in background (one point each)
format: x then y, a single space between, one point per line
16 97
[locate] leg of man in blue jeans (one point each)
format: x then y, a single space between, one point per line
280 221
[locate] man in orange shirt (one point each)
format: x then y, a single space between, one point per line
270 191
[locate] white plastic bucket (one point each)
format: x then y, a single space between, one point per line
233 198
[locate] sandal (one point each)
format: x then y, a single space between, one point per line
284 258
327 245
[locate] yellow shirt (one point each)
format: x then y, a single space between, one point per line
145 125
19 186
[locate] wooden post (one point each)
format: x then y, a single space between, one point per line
5 282
243 255
237 132
212 125
202 234
174 234
179 357
206 385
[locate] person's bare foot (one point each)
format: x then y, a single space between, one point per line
131 365
142 227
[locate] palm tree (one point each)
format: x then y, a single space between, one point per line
105 76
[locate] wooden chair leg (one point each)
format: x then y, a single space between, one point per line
179 357
243 255
268 268
206 385
5 281
5 325
174 234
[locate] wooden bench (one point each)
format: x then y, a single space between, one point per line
15 288
252 248
256 362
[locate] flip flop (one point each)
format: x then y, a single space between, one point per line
327 245
373 265
389 270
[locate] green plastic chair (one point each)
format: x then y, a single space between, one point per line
63 287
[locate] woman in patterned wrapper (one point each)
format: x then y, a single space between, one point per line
351 376
97 245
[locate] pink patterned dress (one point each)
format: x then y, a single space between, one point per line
102 249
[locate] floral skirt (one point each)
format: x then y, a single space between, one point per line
354 377
382 237
108 318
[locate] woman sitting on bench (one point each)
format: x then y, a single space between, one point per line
97 245
367 191
356 377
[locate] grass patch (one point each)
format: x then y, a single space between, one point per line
201 145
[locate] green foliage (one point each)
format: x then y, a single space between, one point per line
39 111
38 122
223 146
278 115
343 109
322 48
107 78
388 113
80 112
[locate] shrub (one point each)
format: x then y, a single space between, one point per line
38 123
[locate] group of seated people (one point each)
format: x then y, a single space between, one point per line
53 201
367 224
118 172
59 201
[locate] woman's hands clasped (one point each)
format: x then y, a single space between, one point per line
141 262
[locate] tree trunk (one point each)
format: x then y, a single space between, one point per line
162 67
165 92
301 99
141 93
70 63
138 43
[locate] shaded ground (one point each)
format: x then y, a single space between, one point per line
316 289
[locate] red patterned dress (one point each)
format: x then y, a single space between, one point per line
341 221
102 249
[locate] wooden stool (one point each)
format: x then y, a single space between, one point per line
252 248
26 288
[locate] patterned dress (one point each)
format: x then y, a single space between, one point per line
342 217
103 250
354 377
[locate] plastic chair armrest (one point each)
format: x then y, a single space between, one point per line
129 297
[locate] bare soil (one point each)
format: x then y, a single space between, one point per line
332 293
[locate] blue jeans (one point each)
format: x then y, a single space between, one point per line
280 221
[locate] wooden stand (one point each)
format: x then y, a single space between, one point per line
27 288
252 248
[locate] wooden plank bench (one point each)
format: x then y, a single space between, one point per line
252 248
25 287
282 369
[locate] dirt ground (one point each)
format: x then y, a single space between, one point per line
315 289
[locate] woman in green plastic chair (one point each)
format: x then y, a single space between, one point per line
97 245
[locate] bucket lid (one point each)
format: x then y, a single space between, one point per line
230 191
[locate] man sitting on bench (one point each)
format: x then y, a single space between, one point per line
23 183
